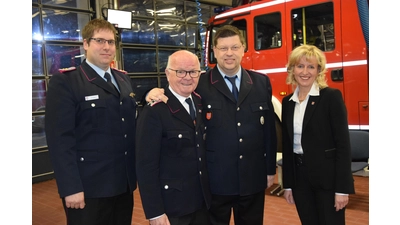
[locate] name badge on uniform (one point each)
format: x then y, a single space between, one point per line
91 97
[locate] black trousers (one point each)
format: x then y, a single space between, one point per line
200 217
115 210
247 210
314 205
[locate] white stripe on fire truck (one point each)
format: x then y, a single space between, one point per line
328 65
249 8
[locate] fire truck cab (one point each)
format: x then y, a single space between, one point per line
273 28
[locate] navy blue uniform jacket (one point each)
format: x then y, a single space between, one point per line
240 137
171 164
90 131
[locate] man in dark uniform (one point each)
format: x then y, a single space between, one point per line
241 139
90 130
171 164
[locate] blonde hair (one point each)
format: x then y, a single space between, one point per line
308 51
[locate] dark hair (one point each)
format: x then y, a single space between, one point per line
95 25
228 31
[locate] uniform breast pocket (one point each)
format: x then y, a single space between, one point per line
179 143
93 112
213 115
260 112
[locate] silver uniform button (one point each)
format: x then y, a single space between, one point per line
240 157
166 187
123 119
238 109
82 159
209 106
120 103
93 105
240 139
261 108
180 136
239 124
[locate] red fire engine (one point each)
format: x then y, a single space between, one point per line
272 28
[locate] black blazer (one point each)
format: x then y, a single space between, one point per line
171 164
240 137
90 131
325 142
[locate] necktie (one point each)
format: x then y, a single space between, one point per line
235 91
191 109
108 78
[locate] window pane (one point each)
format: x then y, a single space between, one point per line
38 95
139 60
164 82
56 28
80 4
36 35
38 135
37 60
138 7
192 36
268 31
170 10
59 57
192 13
169 33
163 58
316 28
142 33
141 85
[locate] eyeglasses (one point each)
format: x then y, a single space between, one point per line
183 73
233 48
102 41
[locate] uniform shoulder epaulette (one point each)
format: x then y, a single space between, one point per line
153 103
121 71
63 70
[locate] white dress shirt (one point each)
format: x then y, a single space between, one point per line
298 116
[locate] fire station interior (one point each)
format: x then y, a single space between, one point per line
157 29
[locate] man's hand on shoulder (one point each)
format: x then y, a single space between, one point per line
156 95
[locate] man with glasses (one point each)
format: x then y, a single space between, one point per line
90 130
171 164
240 138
